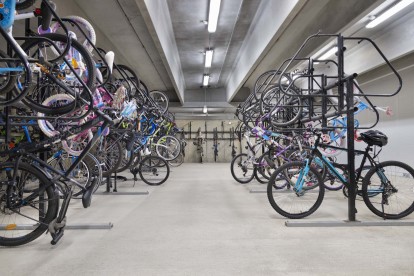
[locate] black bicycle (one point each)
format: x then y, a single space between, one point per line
297 189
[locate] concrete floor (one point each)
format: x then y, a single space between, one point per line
202 222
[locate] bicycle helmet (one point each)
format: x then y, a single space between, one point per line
374 138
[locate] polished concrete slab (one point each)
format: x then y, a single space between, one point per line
202 222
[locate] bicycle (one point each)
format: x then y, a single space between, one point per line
29 183
296 189
215 144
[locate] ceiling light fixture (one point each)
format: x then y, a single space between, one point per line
328 53
213 15
209 58
388 13
206 78
205 110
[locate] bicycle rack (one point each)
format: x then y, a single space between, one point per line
316 86
8 123
115 190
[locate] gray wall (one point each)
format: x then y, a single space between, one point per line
224 148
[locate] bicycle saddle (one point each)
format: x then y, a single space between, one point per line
374 138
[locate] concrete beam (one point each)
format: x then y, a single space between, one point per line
157 18
270 20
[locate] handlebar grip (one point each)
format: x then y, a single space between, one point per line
46 14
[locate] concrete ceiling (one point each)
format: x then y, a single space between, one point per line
164 40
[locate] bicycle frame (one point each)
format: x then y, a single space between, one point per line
316 153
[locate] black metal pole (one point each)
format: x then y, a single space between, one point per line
351 149
340 54
324 103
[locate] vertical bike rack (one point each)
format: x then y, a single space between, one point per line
8 125
322 115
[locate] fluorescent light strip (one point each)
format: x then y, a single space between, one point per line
205 80
213 15
393 10
328 53
209 58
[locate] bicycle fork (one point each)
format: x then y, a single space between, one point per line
301 179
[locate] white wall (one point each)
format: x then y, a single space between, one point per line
400 127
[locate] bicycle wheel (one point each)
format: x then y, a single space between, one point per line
7 79
127 160
168 147
123 75
82 173
284 197
177 161
109 154
86 27
43 87
33 205
242 168
388 190
259 177
77 143
160 99
264 169
24 4
153 170
284 109
96 169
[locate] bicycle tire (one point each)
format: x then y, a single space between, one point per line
375 198
263 168
75 145
168 147
286 175
127 160
131 76
264 80
33 179
160 99
96 167
241 166
109 154
82 22
153 165
290 106
10 80
177 161
32 99
24 4
82 173
259 177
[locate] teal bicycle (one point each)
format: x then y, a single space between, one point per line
296 189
